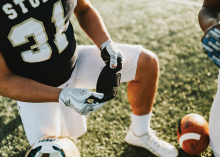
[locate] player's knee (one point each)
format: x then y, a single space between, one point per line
148 64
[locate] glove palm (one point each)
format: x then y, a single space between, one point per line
76 98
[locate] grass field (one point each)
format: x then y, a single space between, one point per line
188 79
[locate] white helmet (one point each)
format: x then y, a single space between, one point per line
55 147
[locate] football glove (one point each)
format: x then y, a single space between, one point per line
76 98
108 79
110 53
211 44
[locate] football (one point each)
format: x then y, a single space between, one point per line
193 134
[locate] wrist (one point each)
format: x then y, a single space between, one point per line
105 44
210 24
63 95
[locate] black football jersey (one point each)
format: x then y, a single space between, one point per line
36 39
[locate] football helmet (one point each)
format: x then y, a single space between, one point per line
55 147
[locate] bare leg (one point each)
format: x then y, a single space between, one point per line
142 90
141 93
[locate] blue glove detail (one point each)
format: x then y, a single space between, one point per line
211 45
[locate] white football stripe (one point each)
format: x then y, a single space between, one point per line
188 136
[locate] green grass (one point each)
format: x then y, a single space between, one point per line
188 79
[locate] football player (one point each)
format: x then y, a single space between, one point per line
209 22
49 75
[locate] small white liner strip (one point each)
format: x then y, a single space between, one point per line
188 136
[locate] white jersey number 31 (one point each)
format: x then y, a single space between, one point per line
31 27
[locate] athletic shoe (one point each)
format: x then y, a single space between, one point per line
149 141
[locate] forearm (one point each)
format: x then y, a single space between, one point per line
23 89
208 17
92 24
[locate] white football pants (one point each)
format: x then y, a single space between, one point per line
52 119
214 122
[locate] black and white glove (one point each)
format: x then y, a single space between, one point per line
110 53
109 78
76 98
211 44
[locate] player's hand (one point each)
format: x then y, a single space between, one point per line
110 53
211 43
76 98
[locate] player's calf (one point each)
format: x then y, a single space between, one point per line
142 90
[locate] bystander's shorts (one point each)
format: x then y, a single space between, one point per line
52 119
214 122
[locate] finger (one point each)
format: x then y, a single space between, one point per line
113 51
113 61
119 65
89 108
97 95
121 60
120 55
92 107
97 105
108 96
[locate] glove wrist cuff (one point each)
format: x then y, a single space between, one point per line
63 95
105 44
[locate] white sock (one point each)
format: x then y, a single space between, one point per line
140 125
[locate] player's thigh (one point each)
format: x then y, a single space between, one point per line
39 120
90 63
214 125
72 123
